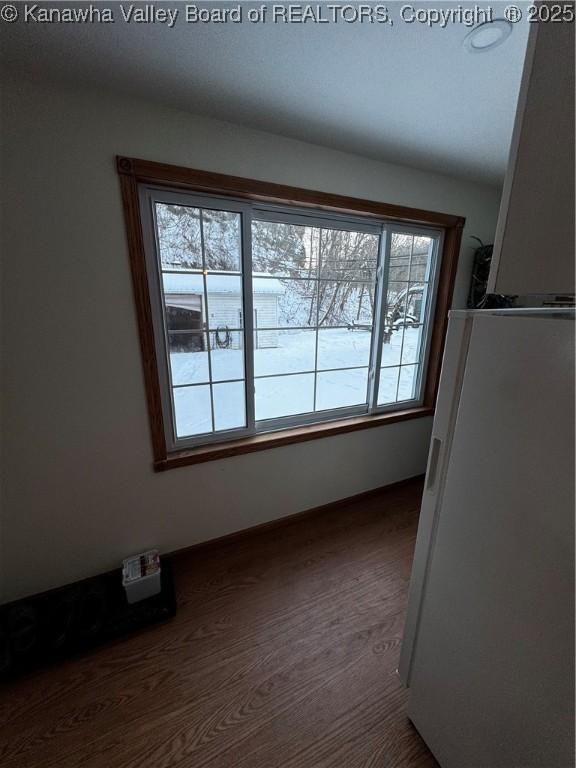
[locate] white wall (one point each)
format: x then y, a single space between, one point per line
534 247
79 492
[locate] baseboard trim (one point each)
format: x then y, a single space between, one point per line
237 536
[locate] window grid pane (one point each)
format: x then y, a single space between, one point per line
314 351
201 263
325 280
409 270
388 388
280 396
406 382
179 238
193 412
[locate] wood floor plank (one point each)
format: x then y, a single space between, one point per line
283 654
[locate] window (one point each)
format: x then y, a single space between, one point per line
337 314
265 317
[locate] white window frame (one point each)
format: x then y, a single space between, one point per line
250 211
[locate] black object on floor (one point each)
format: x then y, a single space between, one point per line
50 626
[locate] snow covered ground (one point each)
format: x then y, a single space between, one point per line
285 395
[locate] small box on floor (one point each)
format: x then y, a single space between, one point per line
141 576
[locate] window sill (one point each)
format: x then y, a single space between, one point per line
285 437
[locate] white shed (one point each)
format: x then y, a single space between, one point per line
186 307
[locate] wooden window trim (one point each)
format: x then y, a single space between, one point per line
133 172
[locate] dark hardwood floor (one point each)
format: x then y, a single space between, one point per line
283 653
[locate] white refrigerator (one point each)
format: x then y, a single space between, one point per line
488 648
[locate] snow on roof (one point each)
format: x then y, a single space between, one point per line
192 283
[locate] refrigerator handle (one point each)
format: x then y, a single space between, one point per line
433 464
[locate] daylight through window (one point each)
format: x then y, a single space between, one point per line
269 317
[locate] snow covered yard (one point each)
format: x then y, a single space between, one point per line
279 395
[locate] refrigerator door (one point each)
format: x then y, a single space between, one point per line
453 363
491 667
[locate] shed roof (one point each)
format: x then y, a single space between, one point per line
191 282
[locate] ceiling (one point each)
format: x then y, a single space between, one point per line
403 93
